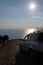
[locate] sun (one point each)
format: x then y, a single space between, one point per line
32 6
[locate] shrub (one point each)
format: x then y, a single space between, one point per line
4 39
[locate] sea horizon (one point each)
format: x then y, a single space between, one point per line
13 33
17 33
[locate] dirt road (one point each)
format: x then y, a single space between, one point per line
9 55
8 52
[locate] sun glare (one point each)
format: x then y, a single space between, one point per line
32 6
30 31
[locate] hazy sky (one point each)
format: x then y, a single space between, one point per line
16 14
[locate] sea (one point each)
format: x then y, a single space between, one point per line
13 33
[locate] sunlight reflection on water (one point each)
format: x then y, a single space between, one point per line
29 31
15 34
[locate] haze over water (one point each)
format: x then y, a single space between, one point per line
16 33
13 33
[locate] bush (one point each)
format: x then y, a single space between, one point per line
4 39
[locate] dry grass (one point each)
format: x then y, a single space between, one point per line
8 52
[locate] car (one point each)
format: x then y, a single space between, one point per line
32 44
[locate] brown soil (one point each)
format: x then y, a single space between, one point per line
8 52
